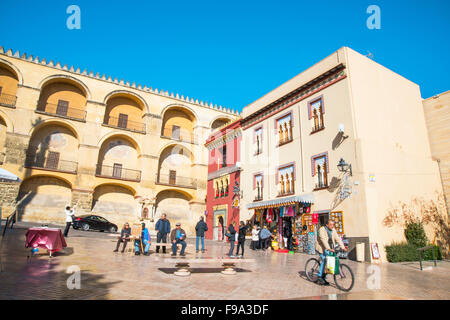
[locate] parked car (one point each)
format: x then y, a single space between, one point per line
93 222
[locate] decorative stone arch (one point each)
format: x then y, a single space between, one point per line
77 82
57 122
173 144
118 184
11 67
7 121
124 135
183 192
139 99
48 175
220 117
180 106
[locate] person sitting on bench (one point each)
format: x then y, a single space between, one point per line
146 240
124 237
178 235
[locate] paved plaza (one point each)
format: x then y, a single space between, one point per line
108 275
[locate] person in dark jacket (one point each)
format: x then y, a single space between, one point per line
200 230
241 238
163 228
125 234
231 238
178 235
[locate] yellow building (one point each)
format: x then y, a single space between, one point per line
437 115
121 150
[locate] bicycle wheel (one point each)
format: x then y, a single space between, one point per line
312 269
345 279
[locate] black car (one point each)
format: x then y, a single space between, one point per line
93 222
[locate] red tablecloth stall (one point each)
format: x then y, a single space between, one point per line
51 239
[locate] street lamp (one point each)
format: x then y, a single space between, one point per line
344 167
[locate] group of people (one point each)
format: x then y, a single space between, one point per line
143 242
261 238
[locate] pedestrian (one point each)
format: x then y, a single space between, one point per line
163 228
70 212
241 238
125 234
231 235
200 230
255 238
178 236
265 238
145 239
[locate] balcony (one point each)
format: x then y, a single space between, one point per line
317 128
176 181
8 100
321 185
125 124
51 164
179 135
62 111
117 172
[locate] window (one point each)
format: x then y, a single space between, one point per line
62 107
224 156
52 160
176 132
117 170
258 186
320 170
172 177
123 120
285 180
257 143
283 126
315 112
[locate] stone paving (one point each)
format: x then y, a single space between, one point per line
108 275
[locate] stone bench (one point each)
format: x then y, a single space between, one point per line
183 265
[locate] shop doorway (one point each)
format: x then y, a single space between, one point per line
322 218
220 218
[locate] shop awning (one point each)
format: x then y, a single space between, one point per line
304 198
7 176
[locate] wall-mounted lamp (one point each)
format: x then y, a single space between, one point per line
344 167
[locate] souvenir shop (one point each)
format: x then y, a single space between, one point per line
285 220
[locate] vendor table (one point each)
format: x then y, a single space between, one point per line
51 239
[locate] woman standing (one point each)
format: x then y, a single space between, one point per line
231 238
241 238
255 238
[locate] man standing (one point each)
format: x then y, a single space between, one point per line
146 241
163 228
200 230
69 218
325 245
265 238
178 235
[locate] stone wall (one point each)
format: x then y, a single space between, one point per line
8 195
16 148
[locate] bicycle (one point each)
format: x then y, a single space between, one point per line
344 280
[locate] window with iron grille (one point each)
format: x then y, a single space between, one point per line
117 170
62 107
123 120
52 160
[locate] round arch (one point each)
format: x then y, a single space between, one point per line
78 83
47 175
60 122
11 67
174 144
8 122
180 191
122 93
117 184
221 117
179 106
124 135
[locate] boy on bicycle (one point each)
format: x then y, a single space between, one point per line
325 245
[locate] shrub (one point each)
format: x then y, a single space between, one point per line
400 252
415 234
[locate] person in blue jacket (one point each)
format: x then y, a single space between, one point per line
146 241
163 228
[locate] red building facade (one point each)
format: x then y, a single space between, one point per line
223 189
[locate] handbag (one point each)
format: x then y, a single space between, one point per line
332 265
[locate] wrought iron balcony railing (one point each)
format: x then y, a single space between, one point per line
54 164
62 111
8 100
117 172
176 181
179 135
126 124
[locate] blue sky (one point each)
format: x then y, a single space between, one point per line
230 52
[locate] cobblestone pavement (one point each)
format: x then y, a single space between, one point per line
108 275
